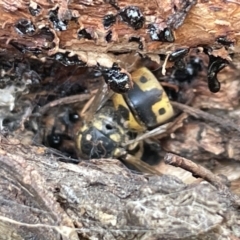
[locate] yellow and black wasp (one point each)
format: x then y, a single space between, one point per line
120 124
118 128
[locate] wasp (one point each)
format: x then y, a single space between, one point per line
59 130
126 125
121 126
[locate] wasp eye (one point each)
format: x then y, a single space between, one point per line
54 140
109 127
73 117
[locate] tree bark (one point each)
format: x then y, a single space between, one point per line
194 23
43 198
47 199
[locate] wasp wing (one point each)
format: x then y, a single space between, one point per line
161 131
149 134
96 102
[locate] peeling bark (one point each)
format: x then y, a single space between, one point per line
194 23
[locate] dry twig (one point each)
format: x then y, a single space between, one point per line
225 123
65 100
201 172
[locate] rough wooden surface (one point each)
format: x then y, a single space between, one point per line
104 200
194 23
43 198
